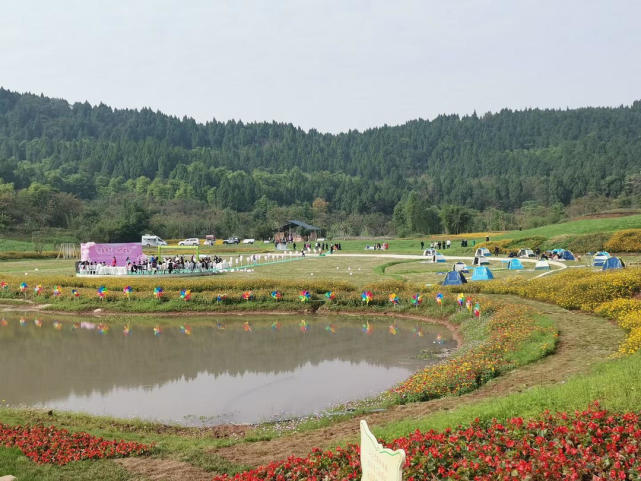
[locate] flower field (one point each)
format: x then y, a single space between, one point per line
591 444
606 293
508 327
48 445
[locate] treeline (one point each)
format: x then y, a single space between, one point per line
453 170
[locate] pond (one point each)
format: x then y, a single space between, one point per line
217 370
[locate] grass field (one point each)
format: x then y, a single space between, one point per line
577 374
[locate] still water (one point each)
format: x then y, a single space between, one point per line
217 370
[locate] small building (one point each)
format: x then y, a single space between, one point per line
297 231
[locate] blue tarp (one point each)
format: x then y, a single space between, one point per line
514 265
482 274
613 263
454 278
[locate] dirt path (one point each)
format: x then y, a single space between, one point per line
584 339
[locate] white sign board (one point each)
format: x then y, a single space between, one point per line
379 463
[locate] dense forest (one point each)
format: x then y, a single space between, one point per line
109 174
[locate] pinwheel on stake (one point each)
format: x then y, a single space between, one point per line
304 296
417 299
393 298
367 297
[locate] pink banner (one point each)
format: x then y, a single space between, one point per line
93 252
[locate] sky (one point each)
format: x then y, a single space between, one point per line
330 65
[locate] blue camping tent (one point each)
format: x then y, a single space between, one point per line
454 278
613 263
482 273
566 256
514 265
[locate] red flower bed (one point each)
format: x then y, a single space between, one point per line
590 445
58 446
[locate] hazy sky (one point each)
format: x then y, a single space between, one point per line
330 65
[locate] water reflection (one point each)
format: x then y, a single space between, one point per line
275 369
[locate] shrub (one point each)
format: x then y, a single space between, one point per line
625 241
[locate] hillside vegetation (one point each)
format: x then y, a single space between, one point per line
61 163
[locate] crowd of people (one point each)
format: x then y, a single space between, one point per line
154 265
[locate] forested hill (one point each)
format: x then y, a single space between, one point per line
497 160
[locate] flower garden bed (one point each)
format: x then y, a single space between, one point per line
49 445
591 444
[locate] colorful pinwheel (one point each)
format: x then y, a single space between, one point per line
460 299
23 287
417 299
276 295
127 290
185 294
468 304
75 293
393 298
304 296
366 297
439 298
37 290
477 310
56 291
4 285
221 298
248 295
158 292
186 330
102 292
157 331
330 295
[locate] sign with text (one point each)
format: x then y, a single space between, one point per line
379 463
106 252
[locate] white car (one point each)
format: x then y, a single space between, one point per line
248 241
149 240
193 241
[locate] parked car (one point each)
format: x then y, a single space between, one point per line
248 241
149 240
192 241
232 240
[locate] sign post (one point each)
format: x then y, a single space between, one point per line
379 463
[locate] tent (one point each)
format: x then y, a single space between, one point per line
482 252
454 278
542 266
566 256
613 263
599 258
514 264
460 267
482 274
526 253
